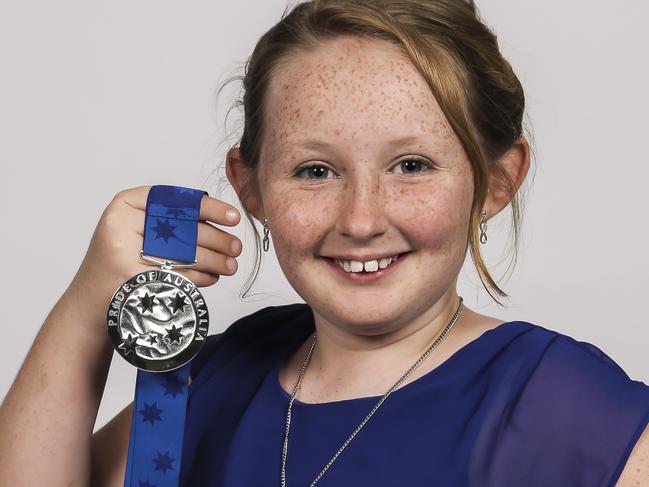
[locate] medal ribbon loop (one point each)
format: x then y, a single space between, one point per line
159 407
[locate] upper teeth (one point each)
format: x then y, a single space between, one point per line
370 266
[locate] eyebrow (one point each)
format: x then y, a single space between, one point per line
317 144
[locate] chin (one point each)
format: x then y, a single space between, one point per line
362 316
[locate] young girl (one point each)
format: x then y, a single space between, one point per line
380 138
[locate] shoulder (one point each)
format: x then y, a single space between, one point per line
574 401
623 401
582 373
636 469
569 354
257 330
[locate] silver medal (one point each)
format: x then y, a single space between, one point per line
158 319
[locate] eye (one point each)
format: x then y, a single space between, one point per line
316 170
411 165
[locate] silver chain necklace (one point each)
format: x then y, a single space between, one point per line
378 404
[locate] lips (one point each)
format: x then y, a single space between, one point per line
363 259
361 277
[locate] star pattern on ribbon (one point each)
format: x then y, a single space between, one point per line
163 462
170 233
173 385
164 230
151 413
176 212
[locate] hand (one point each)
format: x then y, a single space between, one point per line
113 255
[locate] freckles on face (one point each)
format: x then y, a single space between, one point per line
296 218
352 93
355 98
436 222
355 95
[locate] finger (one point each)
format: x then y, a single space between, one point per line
208 235
200 279
211 209
134 197
218 240
209 238
211 262
217 211
210 266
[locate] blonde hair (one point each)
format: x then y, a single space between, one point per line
457 54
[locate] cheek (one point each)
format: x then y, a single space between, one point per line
298 219
430 217
433 217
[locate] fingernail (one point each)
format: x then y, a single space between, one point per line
231 215
231 264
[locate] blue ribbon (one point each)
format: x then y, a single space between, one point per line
158 415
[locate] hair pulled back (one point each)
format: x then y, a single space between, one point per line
455 52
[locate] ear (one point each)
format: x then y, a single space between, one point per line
239 175
516 163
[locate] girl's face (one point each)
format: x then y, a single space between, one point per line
359 160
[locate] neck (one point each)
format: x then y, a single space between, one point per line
344 354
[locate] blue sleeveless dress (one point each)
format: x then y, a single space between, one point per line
519 405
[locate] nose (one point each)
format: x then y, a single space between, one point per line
362 208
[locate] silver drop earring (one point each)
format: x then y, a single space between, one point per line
266 239
483 227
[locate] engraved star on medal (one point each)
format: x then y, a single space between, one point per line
167 314
128 344
174 334
147 302
178 303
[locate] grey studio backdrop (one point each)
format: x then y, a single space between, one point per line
101 96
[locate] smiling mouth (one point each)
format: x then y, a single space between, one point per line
361 271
